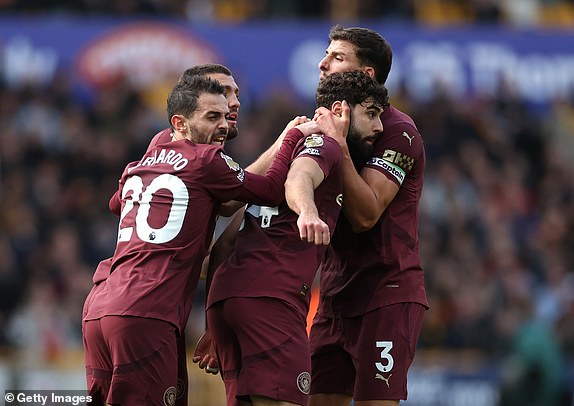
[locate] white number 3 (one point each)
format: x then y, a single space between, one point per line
385 354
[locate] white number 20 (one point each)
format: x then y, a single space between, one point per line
385 354
142 196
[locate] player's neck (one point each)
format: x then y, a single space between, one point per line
176 136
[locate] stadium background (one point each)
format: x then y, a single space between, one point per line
490 85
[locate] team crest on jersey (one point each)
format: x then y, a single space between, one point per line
314 141
304 382
234 166
169 396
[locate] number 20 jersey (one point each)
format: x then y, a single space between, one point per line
169 200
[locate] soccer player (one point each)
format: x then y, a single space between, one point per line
223 75
167 202
258 300
372 295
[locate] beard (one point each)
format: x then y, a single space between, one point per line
232 132
359 150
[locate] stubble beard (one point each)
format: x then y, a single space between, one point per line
232 132
359 150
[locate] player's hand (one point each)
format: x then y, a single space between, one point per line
204 354
334 125
292 124
296 121
312 229
309 127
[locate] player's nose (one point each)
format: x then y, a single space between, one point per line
233 102
323 64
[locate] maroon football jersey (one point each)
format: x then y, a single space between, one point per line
270 259
161 137
381 266
169 200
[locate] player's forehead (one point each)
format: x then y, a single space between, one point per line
369 104
212 103
227 81
343 48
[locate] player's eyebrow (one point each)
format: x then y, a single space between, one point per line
372 106
335 53
233 89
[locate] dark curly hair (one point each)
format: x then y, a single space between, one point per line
354 87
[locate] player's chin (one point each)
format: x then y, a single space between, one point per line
232 132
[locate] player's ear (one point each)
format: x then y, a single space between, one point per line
337 108
369 70
178 123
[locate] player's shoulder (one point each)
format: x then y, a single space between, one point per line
396 121
317 145
162 137
333 147
199 151
400 133
317 141
198 155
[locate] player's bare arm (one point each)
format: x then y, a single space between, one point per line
262 164
362 211
304 177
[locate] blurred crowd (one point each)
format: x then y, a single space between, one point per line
510 12
497 212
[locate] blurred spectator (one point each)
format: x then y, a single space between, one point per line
493 226
497 211
434 12
532 374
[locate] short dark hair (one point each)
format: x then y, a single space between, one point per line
184 96
354 87
203 70
371 48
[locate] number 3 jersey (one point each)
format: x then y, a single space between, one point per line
381 266
270 259
168 202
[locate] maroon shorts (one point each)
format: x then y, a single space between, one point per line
263 349
367 356
182 393
131 361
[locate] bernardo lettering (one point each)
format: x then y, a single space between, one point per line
170 157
